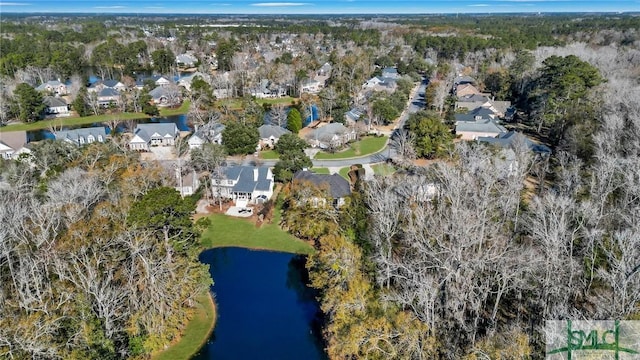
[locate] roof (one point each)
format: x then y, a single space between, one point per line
482 126
473 98
158 92
14 139
145 131
110 83
338 186
50 83
108 92
510 139
389 71
244 175
75 134
464 80
267 131
483 112
52 101
328 131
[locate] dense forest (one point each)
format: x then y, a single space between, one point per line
97 259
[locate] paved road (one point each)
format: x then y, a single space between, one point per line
416 103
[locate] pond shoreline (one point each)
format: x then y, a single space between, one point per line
175 350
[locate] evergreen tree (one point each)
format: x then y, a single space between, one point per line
294 120
28 104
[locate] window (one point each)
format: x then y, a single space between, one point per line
100 138
81 140
90 139
229 182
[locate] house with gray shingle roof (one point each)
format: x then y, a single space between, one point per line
187 60
55 106
244 184
82 136
54 87
471 130
338 188
108 96
153 134
270 134
11 142
513 139
333 135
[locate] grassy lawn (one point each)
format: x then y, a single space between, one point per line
320 170
285 100
238 232
183 109
195 334
383 169
366 146
269 155
72 121
344 172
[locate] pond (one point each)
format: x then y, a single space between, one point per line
264 308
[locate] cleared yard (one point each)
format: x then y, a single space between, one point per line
383 169
367 146
269 155
236 232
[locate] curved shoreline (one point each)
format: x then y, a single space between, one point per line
174 352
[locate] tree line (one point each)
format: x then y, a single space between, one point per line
98 258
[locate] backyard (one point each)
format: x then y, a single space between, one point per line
367 146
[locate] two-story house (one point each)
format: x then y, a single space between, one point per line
243 184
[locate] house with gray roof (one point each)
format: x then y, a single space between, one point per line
165 96
477 114
513 139
390 72
471 130
83 136
11 142
153 134
186 59
53 87
331 136
337 187
55 106
244 184
270 134
108 96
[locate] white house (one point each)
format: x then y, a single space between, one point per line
11 143
82 136
54 87
187 184
153 134
310 86
244 184
55 106
270 134
332 135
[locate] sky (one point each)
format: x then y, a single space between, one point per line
317 6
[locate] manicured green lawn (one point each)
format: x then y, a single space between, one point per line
239 232
320 170
366 146
383 169
269 155
183 109
195 334
72 121
285 100
344 172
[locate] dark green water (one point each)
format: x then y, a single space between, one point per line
265 310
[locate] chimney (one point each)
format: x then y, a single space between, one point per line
255 174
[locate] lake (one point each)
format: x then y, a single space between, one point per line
265 310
